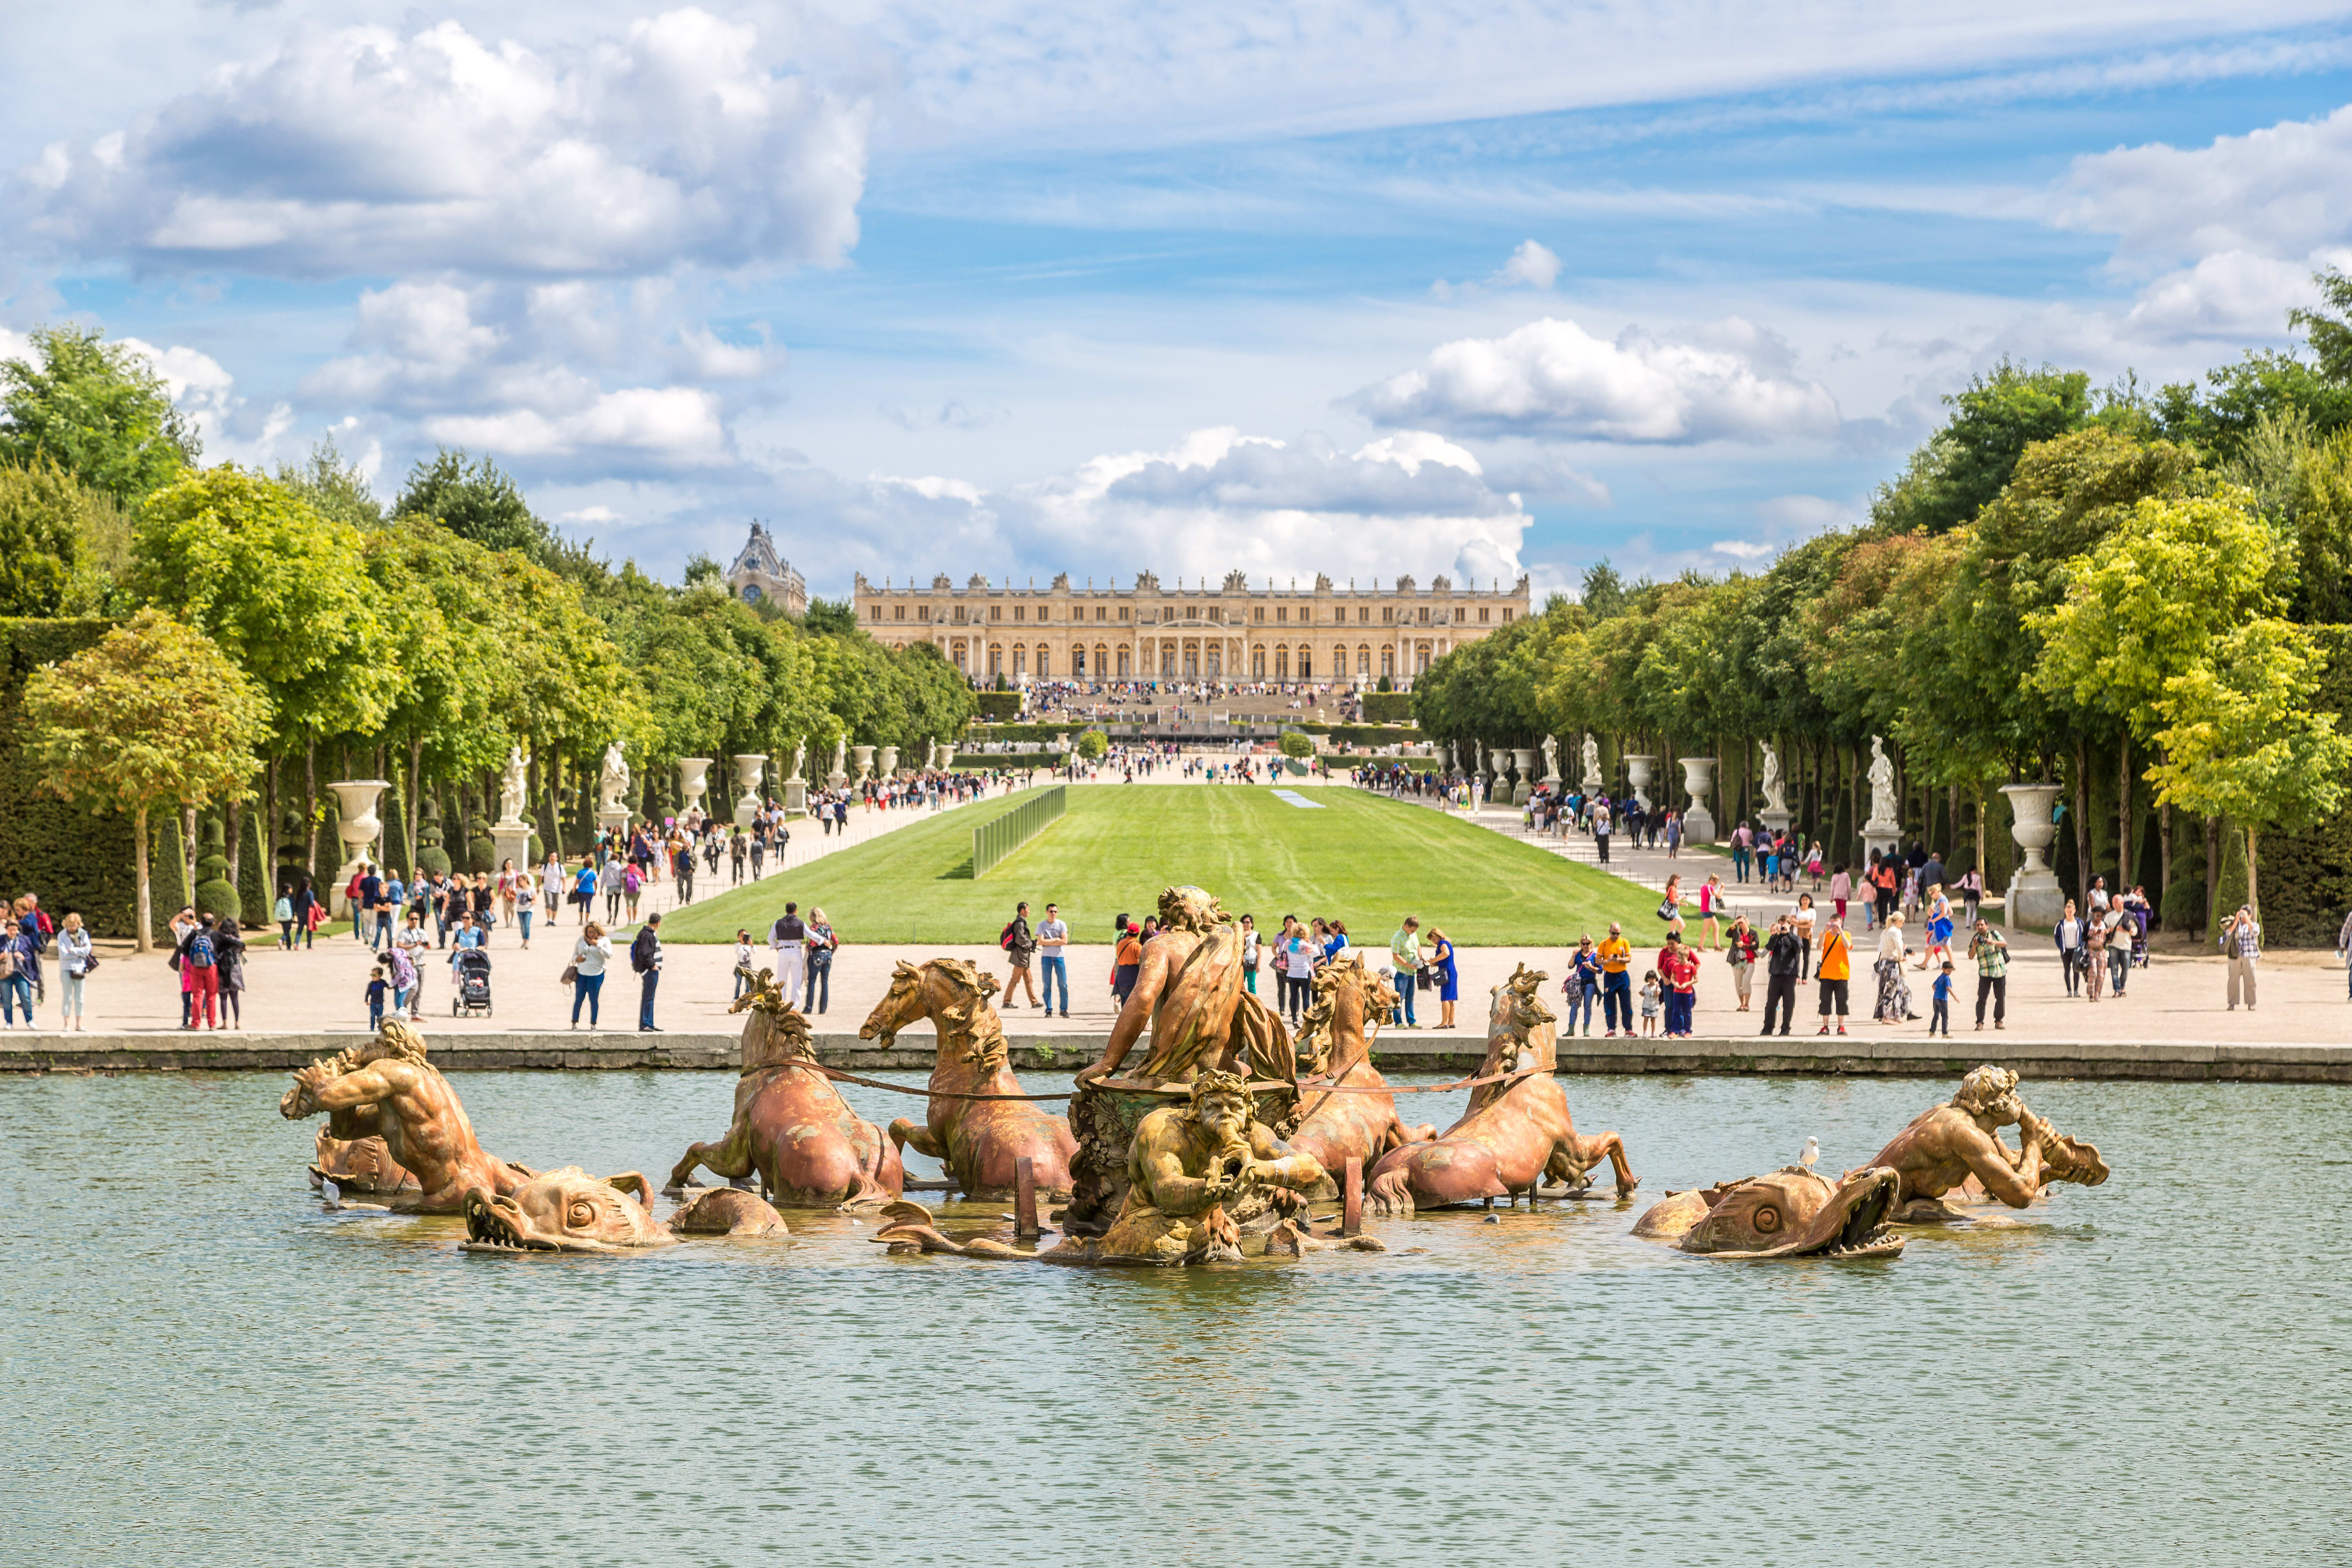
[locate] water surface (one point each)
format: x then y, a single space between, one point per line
202 1367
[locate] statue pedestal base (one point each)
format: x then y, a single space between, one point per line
796 796
612 817
511 841
1699 825
338 904
1520 790
1778 821
837 778
2035 900
1885 837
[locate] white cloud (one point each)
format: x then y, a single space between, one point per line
365 151
1552 378
2278 191
670 426
1531 264
1745 549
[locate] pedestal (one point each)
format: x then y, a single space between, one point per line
511 841
1881 837
2035 900
795 797
613 817
1778 819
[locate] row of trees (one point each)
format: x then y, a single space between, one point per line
415 642
2105 589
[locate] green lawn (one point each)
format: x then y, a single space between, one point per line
1365 858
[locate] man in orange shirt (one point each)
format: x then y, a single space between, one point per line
1834 970
1616 984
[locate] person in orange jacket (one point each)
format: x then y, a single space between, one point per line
1833 971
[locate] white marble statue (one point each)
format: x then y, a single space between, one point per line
1776 793
931 752
513 788
1882 785
800 755
1592 780
1551 758
840 756
613 783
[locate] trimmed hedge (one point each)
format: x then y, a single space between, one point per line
1387 707
978 733
997 705
72 858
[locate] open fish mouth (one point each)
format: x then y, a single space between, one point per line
496 1225
1852 1224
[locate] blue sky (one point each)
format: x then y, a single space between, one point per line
1360 290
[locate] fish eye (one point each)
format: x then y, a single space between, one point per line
582 1212
1766 1218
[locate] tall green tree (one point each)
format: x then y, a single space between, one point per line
43 513
476 501
96 409
333 485
1968 462
152 715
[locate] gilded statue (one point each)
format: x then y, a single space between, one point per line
1190 991
417 1113
1959 1143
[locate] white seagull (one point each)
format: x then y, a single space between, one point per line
1812 1152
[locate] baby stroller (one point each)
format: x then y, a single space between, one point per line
472 970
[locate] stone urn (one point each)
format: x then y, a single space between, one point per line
693 781
861 763
357 826
1523 761
2035 900
750 766
1698 778
890 761
1637 773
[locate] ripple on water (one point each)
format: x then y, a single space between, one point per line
204 1367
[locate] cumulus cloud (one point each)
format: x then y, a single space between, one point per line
673 426
363 150
2278 191
1217 501
1531 264
1551 378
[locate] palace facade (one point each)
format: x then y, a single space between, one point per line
1232 631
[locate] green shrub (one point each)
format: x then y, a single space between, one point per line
429 853
2305 877
999 705
1295 744
72 858
1093 744
1386 707
216 894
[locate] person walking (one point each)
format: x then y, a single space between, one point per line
2068 935
199 975
1053 936
788 938
646 958
1448 978
1801 924
1126 962
553 885
1253 949
590 954
1404 948
15 985
1740 840
2122 926
821 945
1616 980
1710 909
1940 1012
1298 958
1834 973
1784 967
1678 963
2095 955
1020 945
1601 828
1971 885
2242 941
1990 952
77 956
228 942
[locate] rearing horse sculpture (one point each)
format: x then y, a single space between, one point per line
1514 1133
977 1139
790 1124
1335 1049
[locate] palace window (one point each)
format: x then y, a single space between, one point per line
922 612
1282 614
959 614
1424 614
1020 611
1168 659
1078 662
1363 663
1020 660
1099 613
1506 617
898 612
1125 656
1421 655
995 660
1460 615
1306 664
1261 613
873 611
1122 615
1044 664
1482 615
995 612
1387 662
1282 662
1363 613
1388 614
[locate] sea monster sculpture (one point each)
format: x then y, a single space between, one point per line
1947 1145
572 1211
977 1139
1335 1049
351 1153
1787 1213
811 1150
417 1114
1187 1164
1515 1132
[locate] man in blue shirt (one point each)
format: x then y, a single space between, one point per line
390 896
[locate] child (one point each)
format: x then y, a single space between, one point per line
1942 1015
376 990
1650 998
742 959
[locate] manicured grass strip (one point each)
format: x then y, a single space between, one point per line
1364 859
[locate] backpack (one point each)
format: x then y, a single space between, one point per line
1005 937
200 951
641 952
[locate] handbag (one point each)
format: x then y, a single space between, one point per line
1666 910
570 976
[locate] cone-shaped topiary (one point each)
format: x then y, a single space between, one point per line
216 894
429 853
